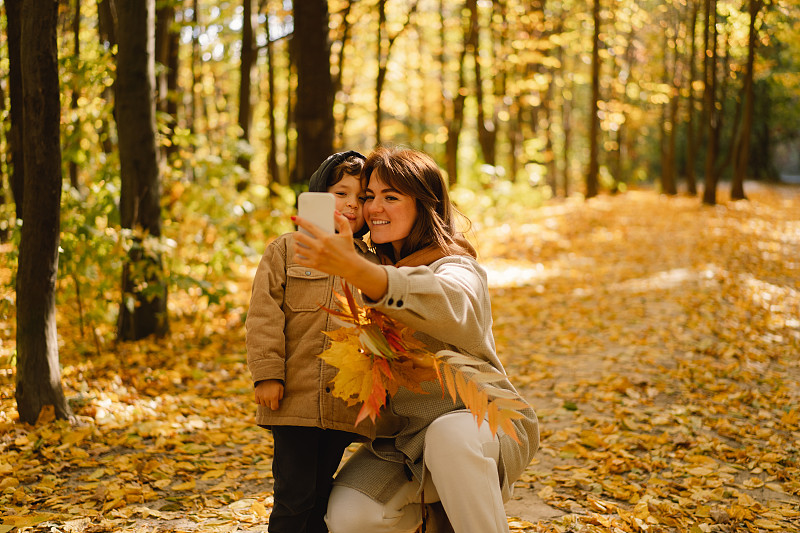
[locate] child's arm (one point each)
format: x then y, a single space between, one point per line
269 393
266 346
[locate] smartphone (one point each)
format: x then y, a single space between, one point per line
317 207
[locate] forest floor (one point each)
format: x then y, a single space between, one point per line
657 339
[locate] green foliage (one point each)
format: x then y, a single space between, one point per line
91 251
87 106
488 199
781 72
214 227
209 231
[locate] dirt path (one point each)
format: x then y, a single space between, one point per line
657 340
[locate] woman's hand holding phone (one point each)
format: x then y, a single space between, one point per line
335 254
327 251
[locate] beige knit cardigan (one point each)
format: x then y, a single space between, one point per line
447 302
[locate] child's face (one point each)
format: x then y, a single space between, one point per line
350 200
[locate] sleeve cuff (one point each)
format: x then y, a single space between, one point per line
268 369
396 290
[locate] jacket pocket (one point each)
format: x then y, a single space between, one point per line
306 289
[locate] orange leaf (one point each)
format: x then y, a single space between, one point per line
450 381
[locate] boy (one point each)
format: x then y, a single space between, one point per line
284 325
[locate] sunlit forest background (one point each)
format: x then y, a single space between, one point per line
606 140
503 94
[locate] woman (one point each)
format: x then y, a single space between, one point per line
428 449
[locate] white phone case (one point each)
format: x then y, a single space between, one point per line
317 207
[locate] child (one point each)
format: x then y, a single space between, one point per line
310 428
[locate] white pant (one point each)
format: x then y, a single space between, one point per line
462 461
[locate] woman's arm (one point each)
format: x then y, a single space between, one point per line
451 304
334 254
447 300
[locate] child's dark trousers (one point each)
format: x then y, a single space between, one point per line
304 462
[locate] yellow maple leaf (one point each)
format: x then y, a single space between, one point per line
353 382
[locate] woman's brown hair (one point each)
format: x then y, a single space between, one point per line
417 175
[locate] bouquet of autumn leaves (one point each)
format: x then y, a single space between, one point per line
376 355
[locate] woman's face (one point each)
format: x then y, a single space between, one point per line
350 200
390 214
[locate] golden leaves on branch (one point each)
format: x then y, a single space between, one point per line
498 406
376 355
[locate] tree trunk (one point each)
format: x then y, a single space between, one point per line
742 156
594 119
549 152
165 15
722 89
510 99
709 102
291 124
442 64
672 142
564 99
144 291
167 43
487 127
418 105
107 23
273 171
16 131
76 49
622 162
691 149
247 67
107 35
38 368
337 80
314 105
380 79
195 100
173 64
384 51
670 177
762 163
4 230
666 173
514 141
456 120
566 124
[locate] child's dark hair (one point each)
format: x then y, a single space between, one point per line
351 166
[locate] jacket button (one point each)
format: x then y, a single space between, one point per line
308 272
399 303
390 301
327 389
